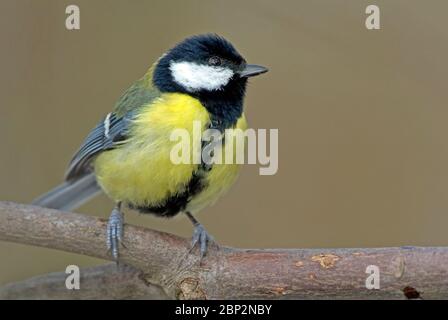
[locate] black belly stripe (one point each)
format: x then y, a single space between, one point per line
175 203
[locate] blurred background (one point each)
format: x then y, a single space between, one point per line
362 115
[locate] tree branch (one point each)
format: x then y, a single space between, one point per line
159 265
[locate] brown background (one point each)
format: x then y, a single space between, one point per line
361 115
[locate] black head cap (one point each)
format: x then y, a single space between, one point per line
200 48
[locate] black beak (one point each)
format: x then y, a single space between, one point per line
252 70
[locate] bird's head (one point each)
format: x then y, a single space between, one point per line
204 65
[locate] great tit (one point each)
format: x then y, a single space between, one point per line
127 155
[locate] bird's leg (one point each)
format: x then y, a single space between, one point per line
200 235
115 231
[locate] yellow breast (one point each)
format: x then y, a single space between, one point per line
141 172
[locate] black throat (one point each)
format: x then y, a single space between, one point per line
224 106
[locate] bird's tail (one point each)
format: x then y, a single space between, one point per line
70 195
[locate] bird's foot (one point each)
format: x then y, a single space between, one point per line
201 238
115 232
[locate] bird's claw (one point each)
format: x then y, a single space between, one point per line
114 232
201 237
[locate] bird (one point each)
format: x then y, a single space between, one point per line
127 154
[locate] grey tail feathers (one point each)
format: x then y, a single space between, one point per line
71 194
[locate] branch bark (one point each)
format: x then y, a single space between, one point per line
159 265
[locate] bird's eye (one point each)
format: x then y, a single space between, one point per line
214 61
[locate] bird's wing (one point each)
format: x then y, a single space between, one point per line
111 130
106 134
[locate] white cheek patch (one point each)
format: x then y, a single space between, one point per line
195 77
